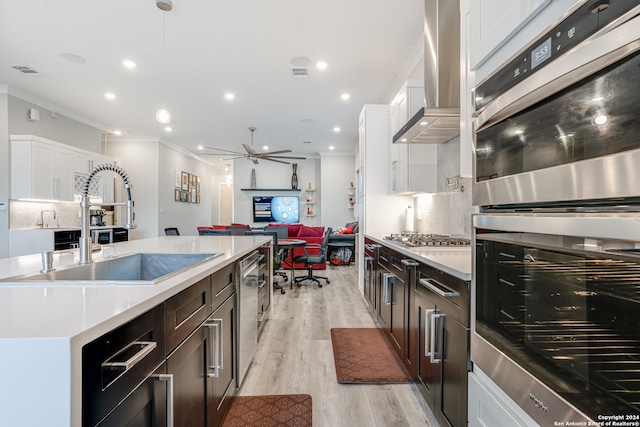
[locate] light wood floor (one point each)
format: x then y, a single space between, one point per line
294 356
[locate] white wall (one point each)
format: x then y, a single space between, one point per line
337 172
5 173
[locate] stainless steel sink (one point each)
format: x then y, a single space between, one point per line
142 268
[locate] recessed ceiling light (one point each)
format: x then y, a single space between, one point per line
300 61
71 57
110 95
331 147
229 95
265 147
168 128
129 64
200 147
321 65
336 129
345 96
117 132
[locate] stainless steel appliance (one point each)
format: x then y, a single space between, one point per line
557 313
420 239
102 236
554 301
559 121
248 282
97 216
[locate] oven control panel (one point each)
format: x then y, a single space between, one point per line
583 23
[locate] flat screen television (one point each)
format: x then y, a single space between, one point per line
276 209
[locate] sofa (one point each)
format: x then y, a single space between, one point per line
345 234
311 235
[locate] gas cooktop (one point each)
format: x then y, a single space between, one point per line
419 240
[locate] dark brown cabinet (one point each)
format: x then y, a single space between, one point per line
442 341
370 269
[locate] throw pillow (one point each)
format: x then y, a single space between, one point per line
310 231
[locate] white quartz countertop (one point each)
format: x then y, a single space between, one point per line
452 260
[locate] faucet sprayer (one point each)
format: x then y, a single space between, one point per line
85 204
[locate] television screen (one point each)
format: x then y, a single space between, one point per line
275 209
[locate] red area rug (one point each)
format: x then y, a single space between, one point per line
286 410
363 355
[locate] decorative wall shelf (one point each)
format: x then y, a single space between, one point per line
269 189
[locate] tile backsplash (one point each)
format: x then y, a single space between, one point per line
27 214
447 212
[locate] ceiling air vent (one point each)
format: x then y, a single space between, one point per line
299 72
24 69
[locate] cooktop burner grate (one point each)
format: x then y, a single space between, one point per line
418 240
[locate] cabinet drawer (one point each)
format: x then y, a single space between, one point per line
186 311
114 364
224 284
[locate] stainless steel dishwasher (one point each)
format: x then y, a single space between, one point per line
248 269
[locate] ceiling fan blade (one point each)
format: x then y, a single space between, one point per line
236 157
274 152
284 157
249 150
222 149
274 160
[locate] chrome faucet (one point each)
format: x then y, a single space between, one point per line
41 222
85 205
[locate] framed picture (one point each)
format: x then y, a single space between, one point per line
185 181
193 194
197 198
198 180
198 187
176 195
178 179
183 196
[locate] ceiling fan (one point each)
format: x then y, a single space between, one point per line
253 155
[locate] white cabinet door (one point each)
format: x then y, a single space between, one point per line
493 22
64 174
43 171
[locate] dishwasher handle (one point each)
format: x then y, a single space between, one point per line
116 363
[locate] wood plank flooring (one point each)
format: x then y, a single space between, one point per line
294 355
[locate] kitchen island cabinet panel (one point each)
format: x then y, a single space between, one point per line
186 311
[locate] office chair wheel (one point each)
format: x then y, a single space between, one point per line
298 284
328 281
319 285
282 291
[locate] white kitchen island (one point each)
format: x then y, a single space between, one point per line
43 327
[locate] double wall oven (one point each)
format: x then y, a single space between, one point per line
556 312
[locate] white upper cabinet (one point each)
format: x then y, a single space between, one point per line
40 169
493 22
413 167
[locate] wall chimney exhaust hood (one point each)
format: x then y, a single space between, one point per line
439 120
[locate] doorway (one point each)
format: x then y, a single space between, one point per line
225 208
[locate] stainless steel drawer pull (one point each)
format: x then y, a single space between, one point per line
506 282
433 336
215 366
261 284
115 362
169 379
449 293
427 341
507 255
385 285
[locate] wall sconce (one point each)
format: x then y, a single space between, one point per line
454 182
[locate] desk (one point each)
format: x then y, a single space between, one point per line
287 244
334 246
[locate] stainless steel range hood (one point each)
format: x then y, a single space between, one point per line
439 120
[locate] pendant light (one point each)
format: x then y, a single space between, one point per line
163 115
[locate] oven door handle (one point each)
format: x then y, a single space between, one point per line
427 283
433 336
368 267
427 342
